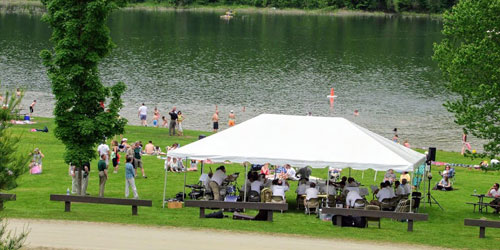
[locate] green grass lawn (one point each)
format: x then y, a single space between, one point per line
443 229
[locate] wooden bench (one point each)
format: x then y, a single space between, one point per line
100 200
481 206
482 224
375 214
265 209
6 197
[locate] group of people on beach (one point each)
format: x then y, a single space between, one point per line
177 118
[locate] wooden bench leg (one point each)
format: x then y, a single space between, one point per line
339 220
202 212
67 206
269 215
134 210
410 225
482 232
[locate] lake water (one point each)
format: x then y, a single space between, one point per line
282 64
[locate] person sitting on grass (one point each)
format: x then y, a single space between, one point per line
36 161
495 193
444 184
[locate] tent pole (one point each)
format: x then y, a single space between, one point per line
349 172
184 188
201 167
246 180
363 175
165 186
375 177
411 193
327 186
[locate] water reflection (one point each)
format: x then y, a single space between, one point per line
266 63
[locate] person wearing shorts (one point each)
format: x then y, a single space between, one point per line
215 120
138 159
143 112
32 106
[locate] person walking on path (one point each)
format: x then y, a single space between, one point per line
32 107
232 119
143 113
173 121
103 175
130 179
138 159
180 119
215 120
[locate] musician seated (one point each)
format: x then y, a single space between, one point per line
351 182
278 189
351 199
216 181
312 192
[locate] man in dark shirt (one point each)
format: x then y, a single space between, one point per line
103 174
138 159
173 121
85 181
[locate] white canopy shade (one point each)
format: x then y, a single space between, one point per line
302 141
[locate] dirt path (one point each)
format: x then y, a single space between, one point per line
54 234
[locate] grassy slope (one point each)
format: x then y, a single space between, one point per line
443 229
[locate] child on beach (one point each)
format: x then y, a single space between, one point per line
130 179
156 117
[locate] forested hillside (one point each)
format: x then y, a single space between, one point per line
421 6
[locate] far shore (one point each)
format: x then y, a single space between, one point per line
36 7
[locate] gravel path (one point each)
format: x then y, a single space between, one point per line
57 234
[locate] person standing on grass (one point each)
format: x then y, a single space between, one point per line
143 113
173 121
130 179
180 119
138 159
232 119
103 150
115 157
32 107
103 174
85 179
156 117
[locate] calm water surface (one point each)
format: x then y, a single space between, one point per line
266 63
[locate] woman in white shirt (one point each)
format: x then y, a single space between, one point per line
495 192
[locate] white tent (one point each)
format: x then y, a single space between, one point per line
302 141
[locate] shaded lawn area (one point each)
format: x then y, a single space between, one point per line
443 229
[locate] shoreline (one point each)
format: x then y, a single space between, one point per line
36 7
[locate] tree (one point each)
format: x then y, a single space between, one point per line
81 39
469 57
13 163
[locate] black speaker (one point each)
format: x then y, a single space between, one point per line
201 137
431 156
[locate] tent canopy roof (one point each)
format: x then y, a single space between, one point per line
302 141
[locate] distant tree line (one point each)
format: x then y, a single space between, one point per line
424 6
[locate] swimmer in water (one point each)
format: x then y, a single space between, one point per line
356 112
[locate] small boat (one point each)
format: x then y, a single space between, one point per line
226 17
